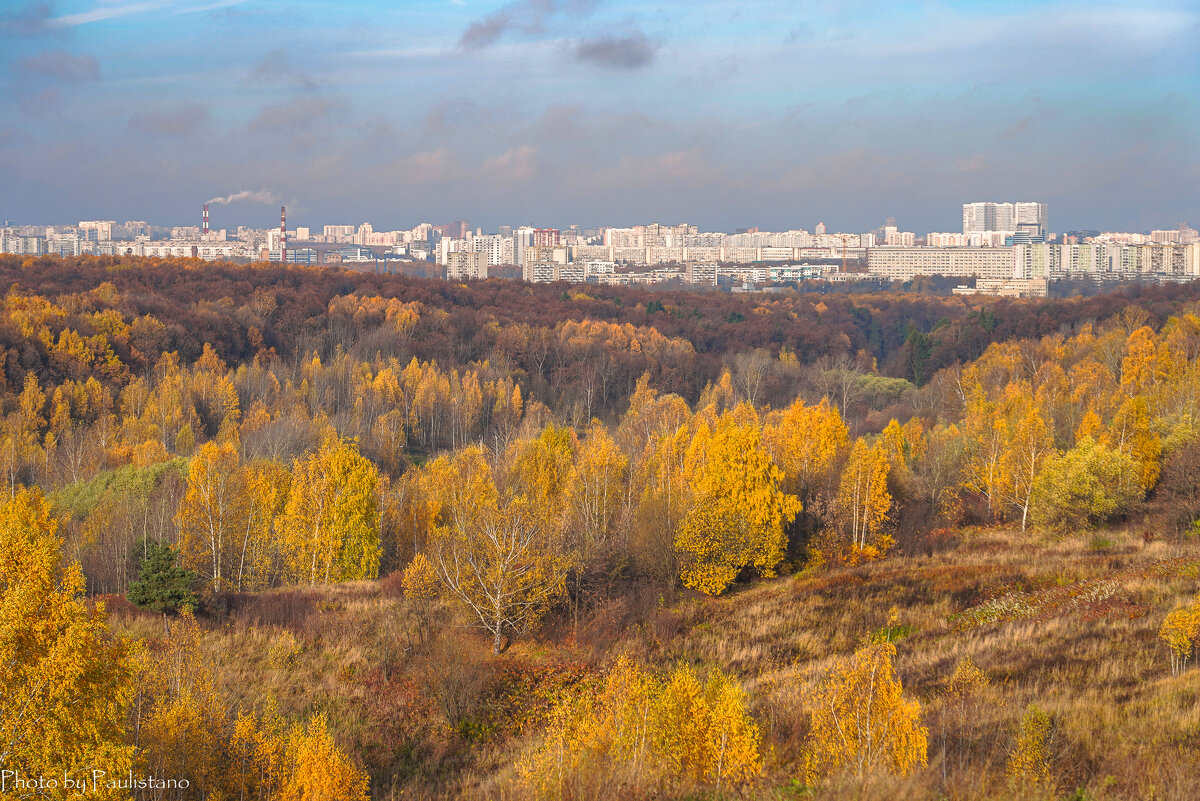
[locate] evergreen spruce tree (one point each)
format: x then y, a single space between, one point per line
162 585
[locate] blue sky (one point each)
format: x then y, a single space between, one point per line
720 113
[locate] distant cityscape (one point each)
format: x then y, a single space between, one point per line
1003 249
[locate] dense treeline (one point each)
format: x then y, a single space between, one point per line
523 461
247 311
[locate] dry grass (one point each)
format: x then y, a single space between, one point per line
447 719
1123 727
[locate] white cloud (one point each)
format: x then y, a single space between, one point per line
114 10
108 11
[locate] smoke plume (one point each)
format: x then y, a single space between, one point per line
261 196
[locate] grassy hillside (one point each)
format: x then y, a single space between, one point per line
1069 624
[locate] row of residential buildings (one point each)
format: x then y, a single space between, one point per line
1000 242
466 266
1040 260
990 267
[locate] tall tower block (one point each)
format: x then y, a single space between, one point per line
283 234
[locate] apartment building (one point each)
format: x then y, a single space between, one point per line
466 265
905 263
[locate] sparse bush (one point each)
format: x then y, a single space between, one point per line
1181 631
1029 759
862 723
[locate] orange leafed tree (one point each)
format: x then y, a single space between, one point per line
316 770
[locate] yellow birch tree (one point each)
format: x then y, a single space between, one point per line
491 552
861 721
738 511
64 680
1028 762
804 441
208 514
862 503
330 525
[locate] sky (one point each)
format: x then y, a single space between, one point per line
721 113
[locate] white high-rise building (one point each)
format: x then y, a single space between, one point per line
499 249
462 265
1004 217
103 228
446 246
987 216
339 233
523 239
904 263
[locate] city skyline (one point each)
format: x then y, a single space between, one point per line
769 114
977 216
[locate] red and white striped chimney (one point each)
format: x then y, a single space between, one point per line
283 234
204 230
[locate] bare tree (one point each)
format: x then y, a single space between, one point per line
750 371
837 379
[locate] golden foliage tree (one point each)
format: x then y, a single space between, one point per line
1132 432
593 498
65 681
1180 630
804 441
421 584
961 704
903 444
316 770
492 552
985 432
594 491
330 526
861 721
1029 446
20 451
641 732
1144 366
263 491
861 506
737 509
540 470
702 730
208 514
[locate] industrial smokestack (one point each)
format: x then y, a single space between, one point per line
283 234
204 229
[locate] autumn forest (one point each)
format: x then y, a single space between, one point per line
306 535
